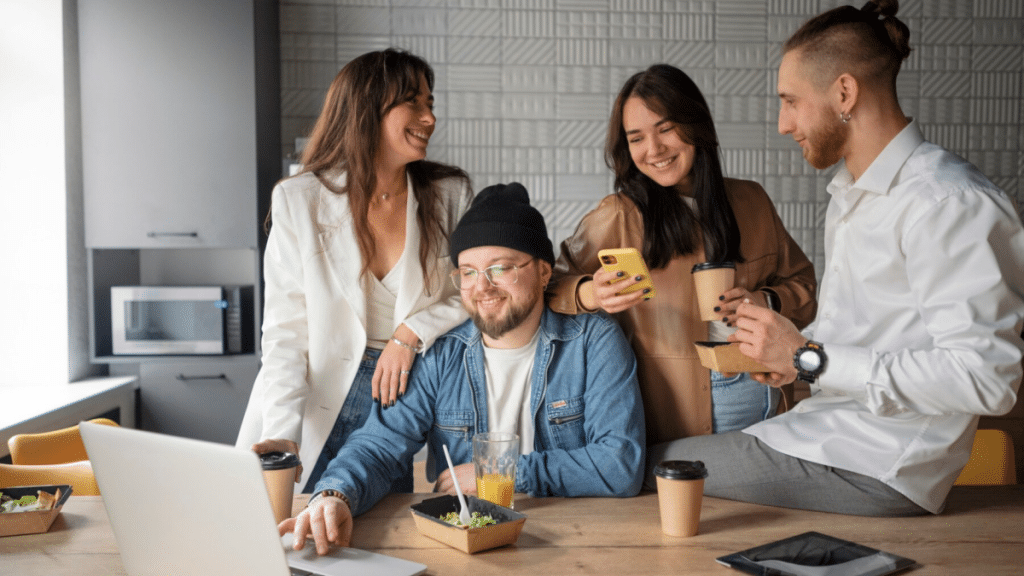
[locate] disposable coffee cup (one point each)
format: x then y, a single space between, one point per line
680 491
711 280
279 476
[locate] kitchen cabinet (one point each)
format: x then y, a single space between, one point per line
180 151
200 399
168 123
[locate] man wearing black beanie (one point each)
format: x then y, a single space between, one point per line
501 215
565 385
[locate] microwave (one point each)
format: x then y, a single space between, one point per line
158 320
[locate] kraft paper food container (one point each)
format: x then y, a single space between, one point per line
427 515
726 357
15 523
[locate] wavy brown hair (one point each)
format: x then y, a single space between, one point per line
347 136
670 227
870 43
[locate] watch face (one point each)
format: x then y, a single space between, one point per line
810 360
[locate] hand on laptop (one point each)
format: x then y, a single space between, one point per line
328 520
279 445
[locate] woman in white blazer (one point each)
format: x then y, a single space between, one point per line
356 264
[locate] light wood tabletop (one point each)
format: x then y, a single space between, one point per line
979 534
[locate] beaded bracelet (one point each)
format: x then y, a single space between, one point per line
329 492
416 348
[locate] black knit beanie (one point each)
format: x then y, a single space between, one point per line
501 215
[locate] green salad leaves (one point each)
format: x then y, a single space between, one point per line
477 520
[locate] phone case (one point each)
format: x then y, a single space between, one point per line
632 263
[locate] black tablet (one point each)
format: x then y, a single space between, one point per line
815 554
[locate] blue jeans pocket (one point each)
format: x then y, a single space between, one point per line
739 401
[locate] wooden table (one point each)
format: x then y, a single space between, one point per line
979 534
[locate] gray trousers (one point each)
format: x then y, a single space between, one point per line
741 467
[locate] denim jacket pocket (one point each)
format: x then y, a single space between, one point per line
453 425
565 420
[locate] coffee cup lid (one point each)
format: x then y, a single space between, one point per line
711 266
278 460
681 470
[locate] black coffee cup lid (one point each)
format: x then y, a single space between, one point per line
278 460
681 470
711 266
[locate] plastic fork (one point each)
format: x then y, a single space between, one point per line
464 516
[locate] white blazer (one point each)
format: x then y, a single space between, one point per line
314 324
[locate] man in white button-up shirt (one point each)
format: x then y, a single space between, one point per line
921 302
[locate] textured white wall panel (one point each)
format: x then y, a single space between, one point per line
524 87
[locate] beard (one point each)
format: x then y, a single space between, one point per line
825 145
501 324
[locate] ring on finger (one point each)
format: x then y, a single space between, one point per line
404 372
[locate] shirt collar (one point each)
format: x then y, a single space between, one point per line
880 174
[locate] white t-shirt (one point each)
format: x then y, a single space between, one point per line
508 391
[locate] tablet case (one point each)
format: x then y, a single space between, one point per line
815 554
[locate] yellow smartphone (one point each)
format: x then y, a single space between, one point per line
630 261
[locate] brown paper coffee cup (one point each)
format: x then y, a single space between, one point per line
710 280
680 494
279 476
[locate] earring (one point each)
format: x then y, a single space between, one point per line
845 117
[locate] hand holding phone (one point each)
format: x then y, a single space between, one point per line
631 263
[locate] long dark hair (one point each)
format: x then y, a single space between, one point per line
347 135
670 227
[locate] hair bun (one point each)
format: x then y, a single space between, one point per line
882 8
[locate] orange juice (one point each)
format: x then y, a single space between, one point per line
495 488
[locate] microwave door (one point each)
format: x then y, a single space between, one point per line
167 320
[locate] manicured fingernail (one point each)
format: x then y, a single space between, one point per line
718 309
647 290
376 399
722 297
620 274
639 278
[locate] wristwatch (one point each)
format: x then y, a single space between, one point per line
810 361
772 299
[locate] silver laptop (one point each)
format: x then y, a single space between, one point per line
181 506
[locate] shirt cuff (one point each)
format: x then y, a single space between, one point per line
848 370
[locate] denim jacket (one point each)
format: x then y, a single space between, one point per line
586 406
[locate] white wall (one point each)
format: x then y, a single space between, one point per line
525 87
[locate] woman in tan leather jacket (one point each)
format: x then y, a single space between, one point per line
674 205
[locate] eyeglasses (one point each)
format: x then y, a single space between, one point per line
498 275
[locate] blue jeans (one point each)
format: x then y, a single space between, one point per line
353 415
739 401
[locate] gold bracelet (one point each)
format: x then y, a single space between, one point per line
416 348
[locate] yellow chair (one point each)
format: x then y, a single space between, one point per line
56 447
991 462
78 474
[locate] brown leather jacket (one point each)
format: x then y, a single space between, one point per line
675 387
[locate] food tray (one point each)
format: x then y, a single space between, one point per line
726 357
427 515
15 523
